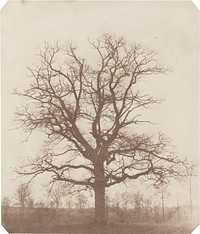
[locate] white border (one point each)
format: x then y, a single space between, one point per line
2 229
196 3
2 3
196 231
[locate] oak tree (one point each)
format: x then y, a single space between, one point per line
92 111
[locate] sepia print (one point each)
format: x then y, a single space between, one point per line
100 117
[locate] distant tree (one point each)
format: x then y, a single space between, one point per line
81 201
148 207
108 204
178 208
191 174
40 204
5 207
125 197
138 203
115 201
56 194
69 204
30 202
156 210
92 110
52 203
163 193
6 202
41 211
22 197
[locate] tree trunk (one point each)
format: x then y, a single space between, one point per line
99 189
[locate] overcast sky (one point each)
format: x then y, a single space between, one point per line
171 28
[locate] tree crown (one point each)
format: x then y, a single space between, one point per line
91 110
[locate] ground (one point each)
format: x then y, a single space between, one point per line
110 229
47 220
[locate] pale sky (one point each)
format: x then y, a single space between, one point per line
170 28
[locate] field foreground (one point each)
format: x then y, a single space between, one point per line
113 228
120 221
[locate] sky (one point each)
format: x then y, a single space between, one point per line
170 28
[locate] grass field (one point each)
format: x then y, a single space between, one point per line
47 220
113 228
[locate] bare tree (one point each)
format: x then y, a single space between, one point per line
40 204
51 204
115 201
191 174
22 196
56 193
5 201
69 204
163 193
138 203
125 197
92 111
148 207
108 204
81 201
156 210
5 207
30 202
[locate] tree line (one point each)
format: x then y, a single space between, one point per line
123 207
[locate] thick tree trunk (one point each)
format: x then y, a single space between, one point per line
100 211
99 189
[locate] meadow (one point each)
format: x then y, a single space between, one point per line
48 220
